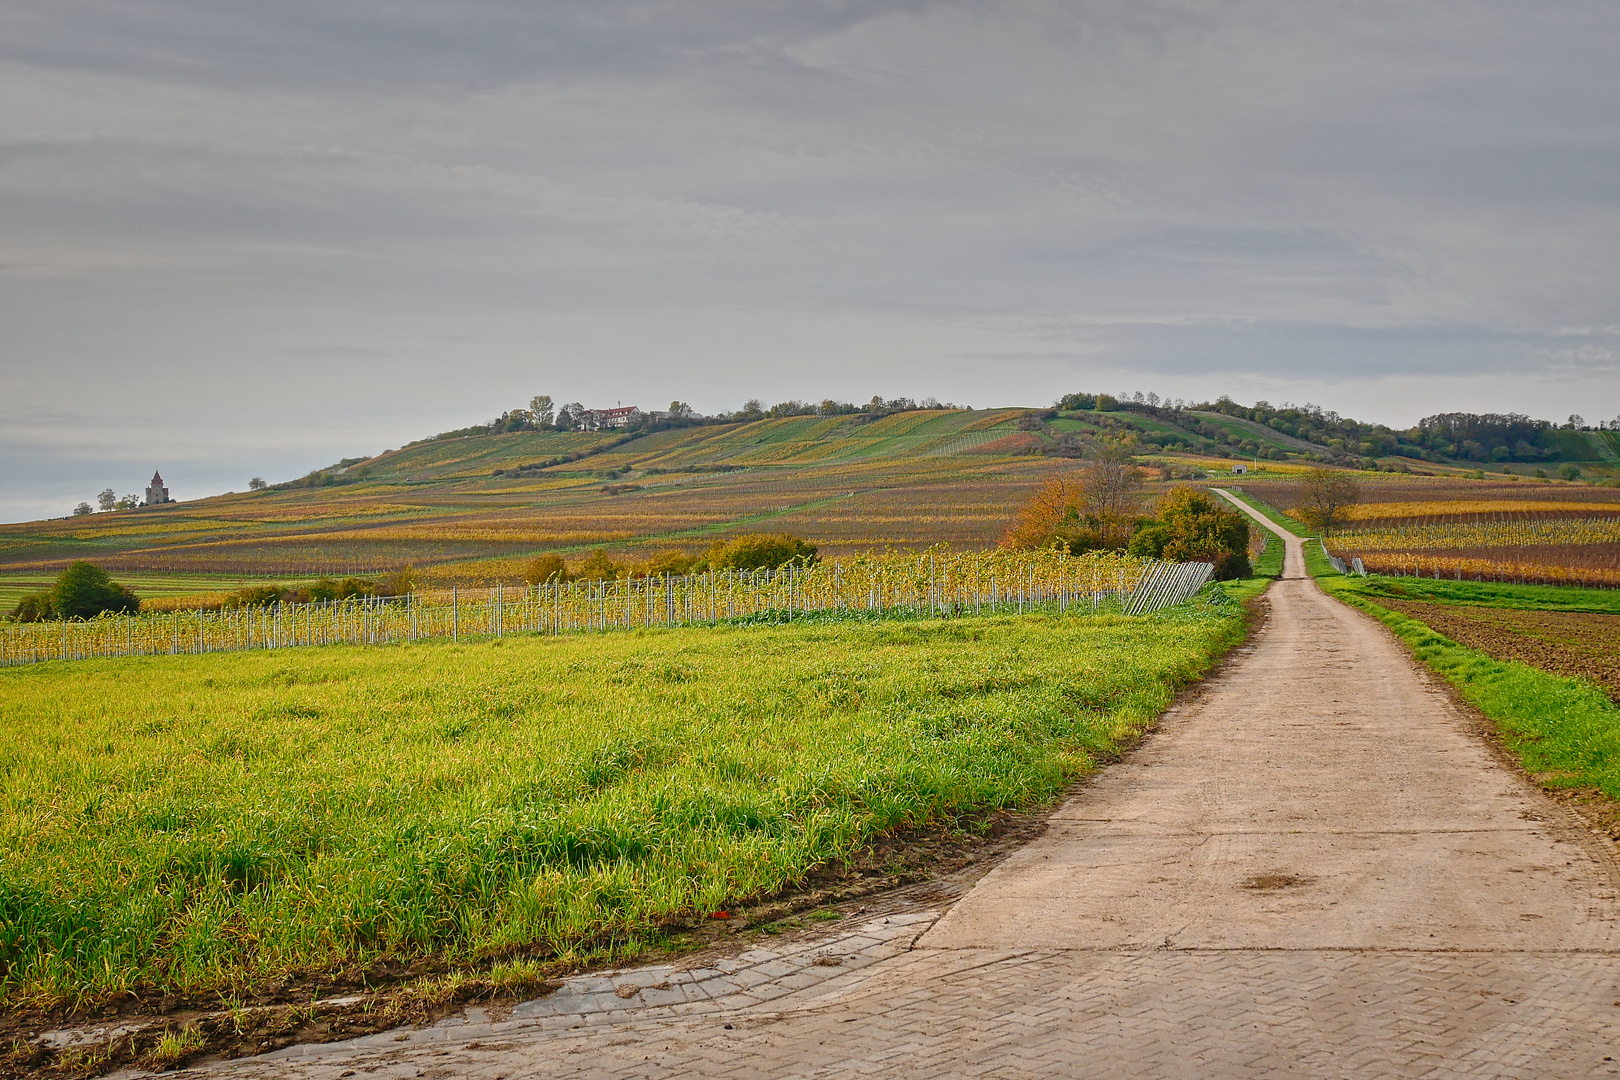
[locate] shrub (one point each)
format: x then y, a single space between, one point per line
35 607
670 562
347 589
85 590
1231 565
255 596
760 551
401 582
599 566
545 569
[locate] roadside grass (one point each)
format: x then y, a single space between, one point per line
1496 594
1270 562
1316 561
216 823
1565 731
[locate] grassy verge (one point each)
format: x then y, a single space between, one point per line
1497 594
216 823
1270 562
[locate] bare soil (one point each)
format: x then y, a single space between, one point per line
1578 644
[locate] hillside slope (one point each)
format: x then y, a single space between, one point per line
473 508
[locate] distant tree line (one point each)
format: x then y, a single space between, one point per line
544 414
1487 437
109 500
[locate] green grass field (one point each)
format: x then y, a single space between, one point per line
203 823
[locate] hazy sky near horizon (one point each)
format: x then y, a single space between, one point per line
251 238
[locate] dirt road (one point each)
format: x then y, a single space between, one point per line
1316 867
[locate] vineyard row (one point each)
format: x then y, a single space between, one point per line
930 583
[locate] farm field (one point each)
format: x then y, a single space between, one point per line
472 510
937 581
469 511
1579 644
1493 529
521 803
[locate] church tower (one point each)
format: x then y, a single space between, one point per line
155 491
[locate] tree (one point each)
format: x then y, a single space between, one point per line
541 412
257 484
85 590
1054 517
1086 511
82 509
1109 489
1328 492
1193 527
753 409
108 499
680 410
128 502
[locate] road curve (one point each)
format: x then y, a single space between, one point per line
1315 867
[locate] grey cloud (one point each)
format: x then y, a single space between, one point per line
248 207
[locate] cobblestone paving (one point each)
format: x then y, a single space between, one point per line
1314 869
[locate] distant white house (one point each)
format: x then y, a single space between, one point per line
1240 468
156 493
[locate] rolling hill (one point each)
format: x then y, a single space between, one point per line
473 507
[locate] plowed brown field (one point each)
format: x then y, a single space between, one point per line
1567 643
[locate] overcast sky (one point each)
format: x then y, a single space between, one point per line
251 238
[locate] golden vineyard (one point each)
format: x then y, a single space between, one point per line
1544 550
